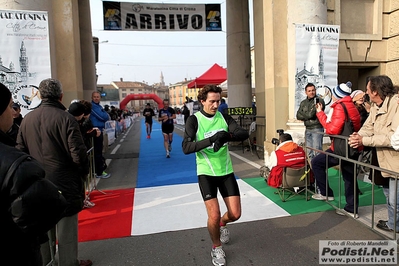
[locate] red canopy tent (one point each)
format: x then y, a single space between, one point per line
215 75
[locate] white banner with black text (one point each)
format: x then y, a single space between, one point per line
161 17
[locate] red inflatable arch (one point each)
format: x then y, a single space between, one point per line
132 97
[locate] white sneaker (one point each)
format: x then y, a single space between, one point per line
321 197
344 213
88 204
224 235
167 155
218 256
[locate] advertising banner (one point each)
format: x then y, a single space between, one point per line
24 55
161 17
316 52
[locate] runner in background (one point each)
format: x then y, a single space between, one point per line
148 113
166 116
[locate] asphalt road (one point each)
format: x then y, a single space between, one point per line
281 241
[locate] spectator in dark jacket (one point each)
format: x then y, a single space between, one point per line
89 131
13 132
333 123
186 112
52 136
21 232
307 113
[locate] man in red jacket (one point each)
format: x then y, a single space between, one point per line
287 154
333 124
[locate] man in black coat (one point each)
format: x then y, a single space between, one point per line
53 137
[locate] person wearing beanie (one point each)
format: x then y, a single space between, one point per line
333 124
88 130
377 132
307 113
21 243
77 109
52 136
342 90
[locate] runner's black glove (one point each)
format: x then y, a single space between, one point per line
217 145
221 136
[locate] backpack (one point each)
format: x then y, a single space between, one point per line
340 145
39 207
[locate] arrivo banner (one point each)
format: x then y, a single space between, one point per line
161 17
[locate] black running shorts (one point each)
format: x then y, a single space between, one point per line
209 186
168 128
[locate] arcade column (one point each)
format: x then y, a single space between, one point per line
274 39
239 89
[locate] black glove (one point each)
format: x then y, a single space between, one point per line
221 136
217 145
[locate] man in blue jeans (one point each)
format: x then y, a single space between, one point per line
98 117
307 113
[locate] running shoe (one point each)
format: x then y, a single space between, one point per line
224 234
218 256
104 175
167 155
148 136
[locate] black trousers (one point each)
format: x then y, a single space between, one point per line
98 154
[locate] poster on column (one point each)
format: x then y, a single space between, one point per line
24 55
316 54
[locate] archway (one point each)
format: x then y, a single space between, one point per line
132 97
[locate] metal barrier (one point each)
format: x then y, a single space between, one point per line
356 165
245 121
91 180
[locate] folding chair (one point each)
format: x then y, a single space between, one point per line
295 181
252 129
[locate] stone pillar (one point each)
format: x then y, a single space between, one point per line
68 53
239 89
87 50
274 37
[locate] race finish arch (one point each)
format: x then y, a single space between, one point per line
132 97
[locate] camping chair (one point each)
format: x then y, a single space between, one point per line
295 181
252 129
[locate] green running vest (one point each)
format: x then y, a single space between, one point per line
209 162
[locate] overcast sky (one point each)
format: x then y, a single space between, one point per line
142 56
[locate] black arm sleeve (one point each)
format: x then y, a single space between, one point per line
238 133
189 143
